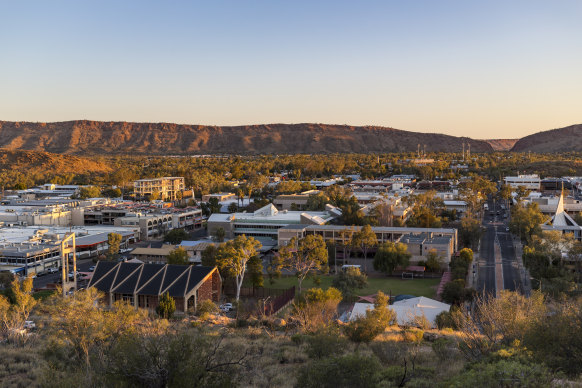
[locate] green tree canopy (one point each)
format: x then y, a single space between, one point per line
391 255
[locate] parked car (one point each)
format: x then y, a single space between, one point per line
29 325
226 307
52 270
92 268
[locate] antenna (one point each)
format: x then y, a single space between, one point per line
463 151
468 150
418 151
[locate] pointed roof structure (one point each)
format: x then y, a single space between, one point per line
561 219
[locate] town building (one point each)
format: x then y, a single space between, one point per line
219 196
562 222
31 250
168 188
264 223
142 285
443 240
530 182
294 201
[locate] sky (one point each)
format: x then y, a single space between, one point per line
483 69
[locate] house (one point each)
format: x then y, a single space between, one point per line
153 255
407 310
141 285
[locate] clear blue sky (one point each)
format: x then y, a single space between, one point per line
486 69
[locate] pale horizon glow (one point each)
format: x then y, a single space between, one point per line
486 70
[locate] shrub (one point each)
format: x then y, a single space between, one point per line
325 344
503 374
166 306
445 320
206 308
347 371
443 349
365 329
413 335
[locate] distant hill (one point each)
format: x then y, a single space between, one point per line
38 161
502 144
97 137
556 140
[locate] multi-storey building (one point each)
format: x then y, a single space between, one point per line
167 187
530 182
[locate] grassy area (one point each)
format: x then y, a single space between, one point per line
395 286
41 295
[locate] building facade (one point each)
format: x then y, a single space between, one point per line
167 188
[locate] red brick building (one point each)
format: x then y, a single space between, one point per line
142 284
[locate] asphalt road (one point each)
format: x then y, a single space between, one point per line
496 232
42 281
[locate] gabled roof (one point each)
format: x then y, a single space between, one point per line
148 279
561 219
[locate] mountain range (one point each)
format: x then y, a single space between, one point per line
84 137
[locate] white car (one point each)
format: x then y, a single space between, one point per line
29 325
226 307
52 270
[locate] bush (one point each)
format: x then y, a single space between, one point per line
445 320
454 292
206 308
325 344
166 306
413 335
347 371
503 374
365 329
443 349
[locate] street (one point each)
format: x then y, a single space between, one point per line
497 265
42 281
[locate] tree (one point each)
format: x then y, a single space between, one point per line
154 196
317 308
209 256
233 258
213 205
113 242
219 234
13 315
306 256
366 328
166 306
454 292
526 220
364 240
349 280
255 269
391 255
383 213
470 231
178 256
176 236
434 262
82 326
89 192
232 208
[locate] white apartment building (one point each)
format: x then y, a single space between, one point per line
167 187
530 182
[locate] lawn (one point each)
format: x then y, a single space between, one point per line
41 295
393 286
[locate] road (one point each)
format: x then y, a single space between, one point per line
497 265
42 281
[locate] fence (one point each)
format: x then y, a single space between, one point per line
271 307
